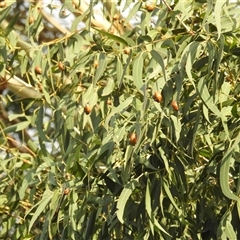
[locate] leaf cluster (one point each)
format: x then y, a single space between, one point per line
71 167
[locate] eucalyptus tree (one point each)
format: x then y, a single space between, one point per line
124 125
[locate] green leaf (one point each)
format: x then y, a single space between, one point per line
125 68
3 200
176 126
224 170
113 37
42 204
109 88
4 13
169 194
71 109
217 13
148 200
29 177
121 203
157 224
158 58
101 68
119 134
188 58
236 51
225 229
39 124
119 71
137 71
206 98
90 224
236 110
17 127
11 24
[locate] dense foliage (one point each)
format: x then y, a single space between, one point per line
130 132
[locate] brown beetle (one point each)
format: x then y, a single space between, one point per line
87 109
157 96
133 138
175 105
38 70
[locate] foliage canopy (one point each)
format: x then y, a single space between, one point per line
119 131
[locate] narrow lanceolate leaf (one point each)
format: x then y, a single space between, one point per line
25 183
47 196
16 127
137 71
158 58
124 69
39 124
177 126
157 224
113 37
208 101
192 54
206 98
169 194
119 71
148 200
217 13
101 68
236 51
124 196
224 171
225 228
109 88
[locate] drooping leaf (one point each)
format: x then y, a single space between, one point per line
159 60
113 37
40 125
41 206
217 13
101 68
137 71
224 170
123 198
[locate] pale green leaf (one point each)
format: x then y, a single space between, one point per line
148 200
157 224
124 196
42 204
217 13
224 170
158 58
109 88
17 127
113 37
206 97
28 178
101 68
176 126
125 69
137 71
119 71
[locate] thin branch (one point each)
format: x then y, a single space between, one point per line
13 143
184 25
21 88
53 21
104 24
